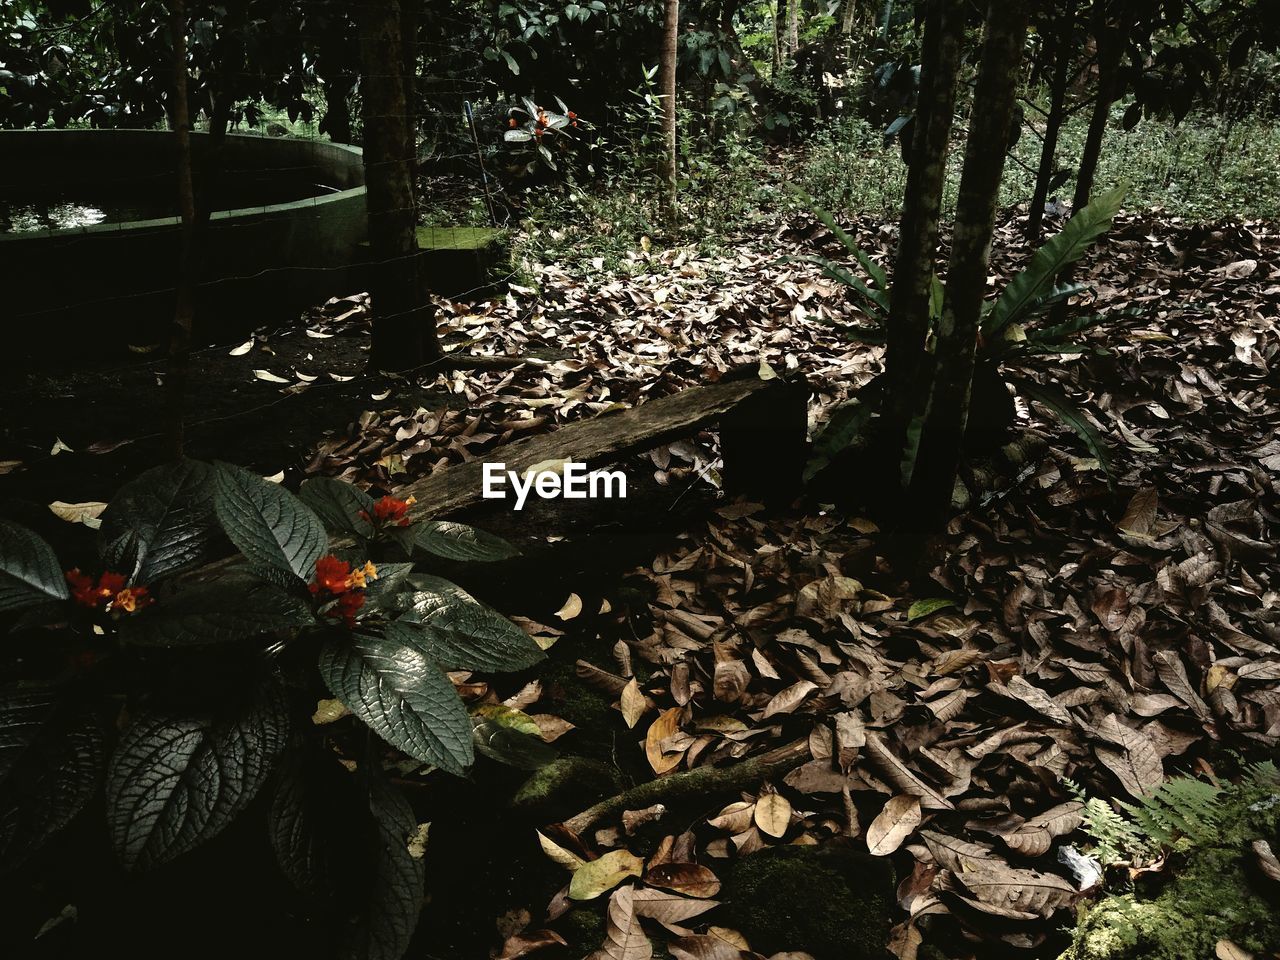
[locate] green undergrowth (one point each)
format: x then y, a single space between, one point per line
1210 891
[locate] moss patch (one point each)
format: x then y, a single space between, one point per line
830 901
564 787
1213 895
461 238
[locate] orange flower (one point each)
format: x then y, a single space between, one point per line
331 575
571 115
391 510
108 593
512 123
132 599
358 578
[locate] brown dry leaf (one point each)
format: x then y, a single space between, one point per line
663 728
773 814
1226 950
734 818
624 939
1136 764
600 876
1266 858
522 944
88 513
1034 837
787 700
1139 518
571 608
903 778
1024 891
705 946
893 824
633 702
691 879
668 908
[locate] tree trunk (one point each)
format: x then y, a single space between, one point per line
337 108
667 89
918 229
184 306
793 28
943 435
1110 49
404 321
777 37
847 15
1053 123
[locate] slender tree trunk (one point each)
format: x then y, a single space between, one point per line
404 322
847 14
337 108
1053 123
184 306
918 230
667 87
1109 53
943 436
793 28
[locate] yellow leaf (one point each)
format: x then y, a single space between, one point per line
327 711
773 814
558 854
666 726
600 876
572 607
633 703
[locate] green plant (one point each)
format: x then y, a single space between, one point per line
1007 332
212 673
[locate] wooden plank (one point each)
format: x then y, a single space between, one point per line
597 441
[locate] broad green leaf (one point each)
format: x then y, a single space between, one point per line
388 681
312 811
221 611
384 592
29 569
395 890
1058 252
922 608
510 736
463 633
159 522
175 781
267 523
457 541
338 505
50 765
1062 406
874 301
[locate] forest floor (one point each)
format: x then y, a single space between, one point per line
1113 635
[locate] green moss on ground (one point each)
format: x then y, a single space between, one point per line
1213 895
830 901
565 787
461 238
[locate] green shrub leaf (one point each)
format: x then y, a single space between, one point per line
29 569
457 541
1058 252
1065 409
387 680
338 505
463 633
50 765
222 611
175 781
159 522
267 523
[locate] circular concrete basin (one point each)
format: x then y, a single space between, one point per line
90 241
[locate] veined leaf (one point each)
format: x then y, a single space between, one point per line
389 682
221 611
50 765
462 633
873 269
267 523
1057 253
29 569
1061 406
338 505
457 541
159 522
175 781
